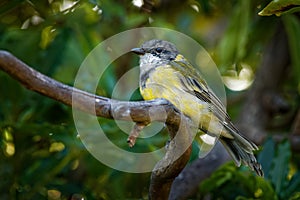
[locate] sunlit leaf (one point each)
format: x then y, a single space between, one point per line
47 36
279 7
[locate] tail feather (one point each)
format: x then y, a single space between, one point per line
241 150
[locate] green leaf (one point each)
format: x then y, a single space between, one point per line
295 196
293 186
232 47
228 183
266 155
279 7
280 167
218 178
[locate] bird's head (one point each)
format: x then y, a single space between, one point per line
156 51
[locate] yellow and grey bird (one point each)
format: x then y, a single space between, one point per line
165 73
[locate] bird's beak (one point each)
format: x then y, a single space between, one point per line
138 51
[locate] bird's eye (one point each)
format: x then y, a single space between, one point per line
159 49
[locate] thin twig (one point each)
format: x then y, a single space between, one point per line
134 134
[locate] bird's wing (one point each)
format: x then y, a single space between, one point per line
196 85
240 148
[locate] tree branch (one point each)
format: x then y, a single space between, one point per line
187 183
139 112
180 146
104 107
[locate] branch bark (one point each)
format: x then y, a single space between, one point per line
180 146
104 107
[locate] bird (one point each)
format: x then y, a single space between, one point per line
165 73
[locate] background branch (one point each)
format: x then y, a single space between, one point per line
256 112
187 183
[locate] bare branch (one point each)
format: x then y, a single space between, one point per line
135 132
165 172
142 112
104 107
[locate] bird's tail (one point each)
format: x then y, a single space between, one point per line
241 150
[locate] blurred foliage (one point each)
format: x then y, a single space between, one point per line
41 155
281 178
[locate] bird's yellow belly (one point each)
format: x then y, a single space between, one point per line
183 101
